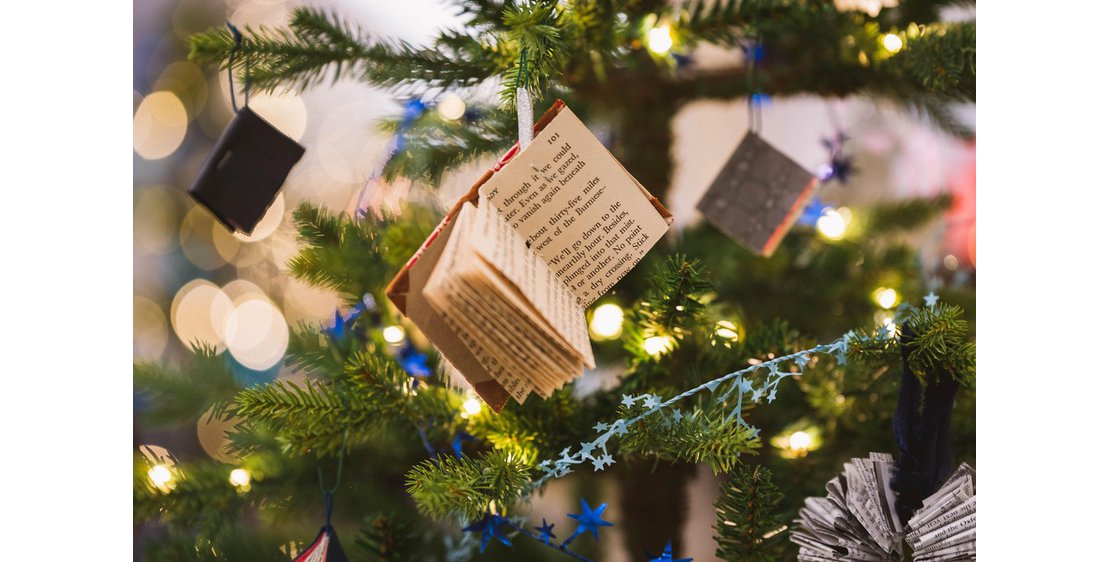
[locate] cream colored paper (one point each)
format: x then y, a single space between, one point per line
576 207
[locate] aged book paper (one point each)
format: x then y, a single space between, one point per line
576 207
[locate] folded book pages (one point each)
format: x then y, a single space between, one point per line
500 287
858 520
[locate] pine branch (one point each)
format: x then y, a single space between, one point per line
534 33
433 146
749 524
318 43
940 344
464 487
904 215
176 396
698 438
388 538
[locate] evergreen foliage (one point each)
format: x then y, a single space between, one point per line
750 523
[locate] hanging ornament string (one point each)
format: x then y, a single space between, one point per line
524 112
754 54
329 493
230 72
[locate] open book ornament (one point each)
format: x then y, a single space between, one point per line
758 195
501 285
242 176
858 519
324 548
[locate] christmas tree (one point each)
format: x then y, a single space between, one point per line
415 466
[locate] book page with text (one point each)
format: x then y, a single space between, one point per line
576 207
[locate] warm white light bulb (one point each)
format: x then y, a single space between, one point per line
472 406
832 224
451 107
727 330
657 345
607 321
886 297
161 476
892 42
659 39
393 334
800 441
240 478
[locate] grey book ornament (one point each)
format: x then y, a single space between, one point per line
758 195
243 174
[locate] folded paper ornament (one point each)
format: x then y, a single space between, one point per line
500 287
324 548
244 172
758 195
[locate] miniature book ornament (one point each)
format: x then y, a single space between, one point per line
758 195
242 176
502 284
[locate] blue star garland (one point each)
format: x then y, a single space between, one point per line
668 556
490 528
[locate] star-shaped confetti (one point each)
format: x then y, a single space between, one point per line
490 528
931 299
587 447
677 416
668 556
547 531
590 519
620 427
628 400
801 361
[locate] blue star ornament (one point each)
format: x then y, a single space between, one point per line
547 531
668 556
490 528
590 519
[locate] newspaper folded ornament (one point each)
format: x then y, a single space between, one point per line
244 172
758 195
501 285
858 519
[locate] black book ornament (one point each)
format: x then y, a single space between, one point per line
758 195
243 174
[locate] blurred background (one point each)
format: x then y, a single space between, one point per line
195 282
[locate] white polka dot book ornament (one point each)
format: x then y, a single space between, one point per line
501 286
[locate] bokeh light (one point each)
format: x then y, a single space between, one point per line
161 477
212 432
892 42
393 335
726 329
471 407
150 329
451 107
659 39
607 322
257 333
240 478
199 313
155 220
159 125
885 297
657 345
800 441
196 240
832 224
